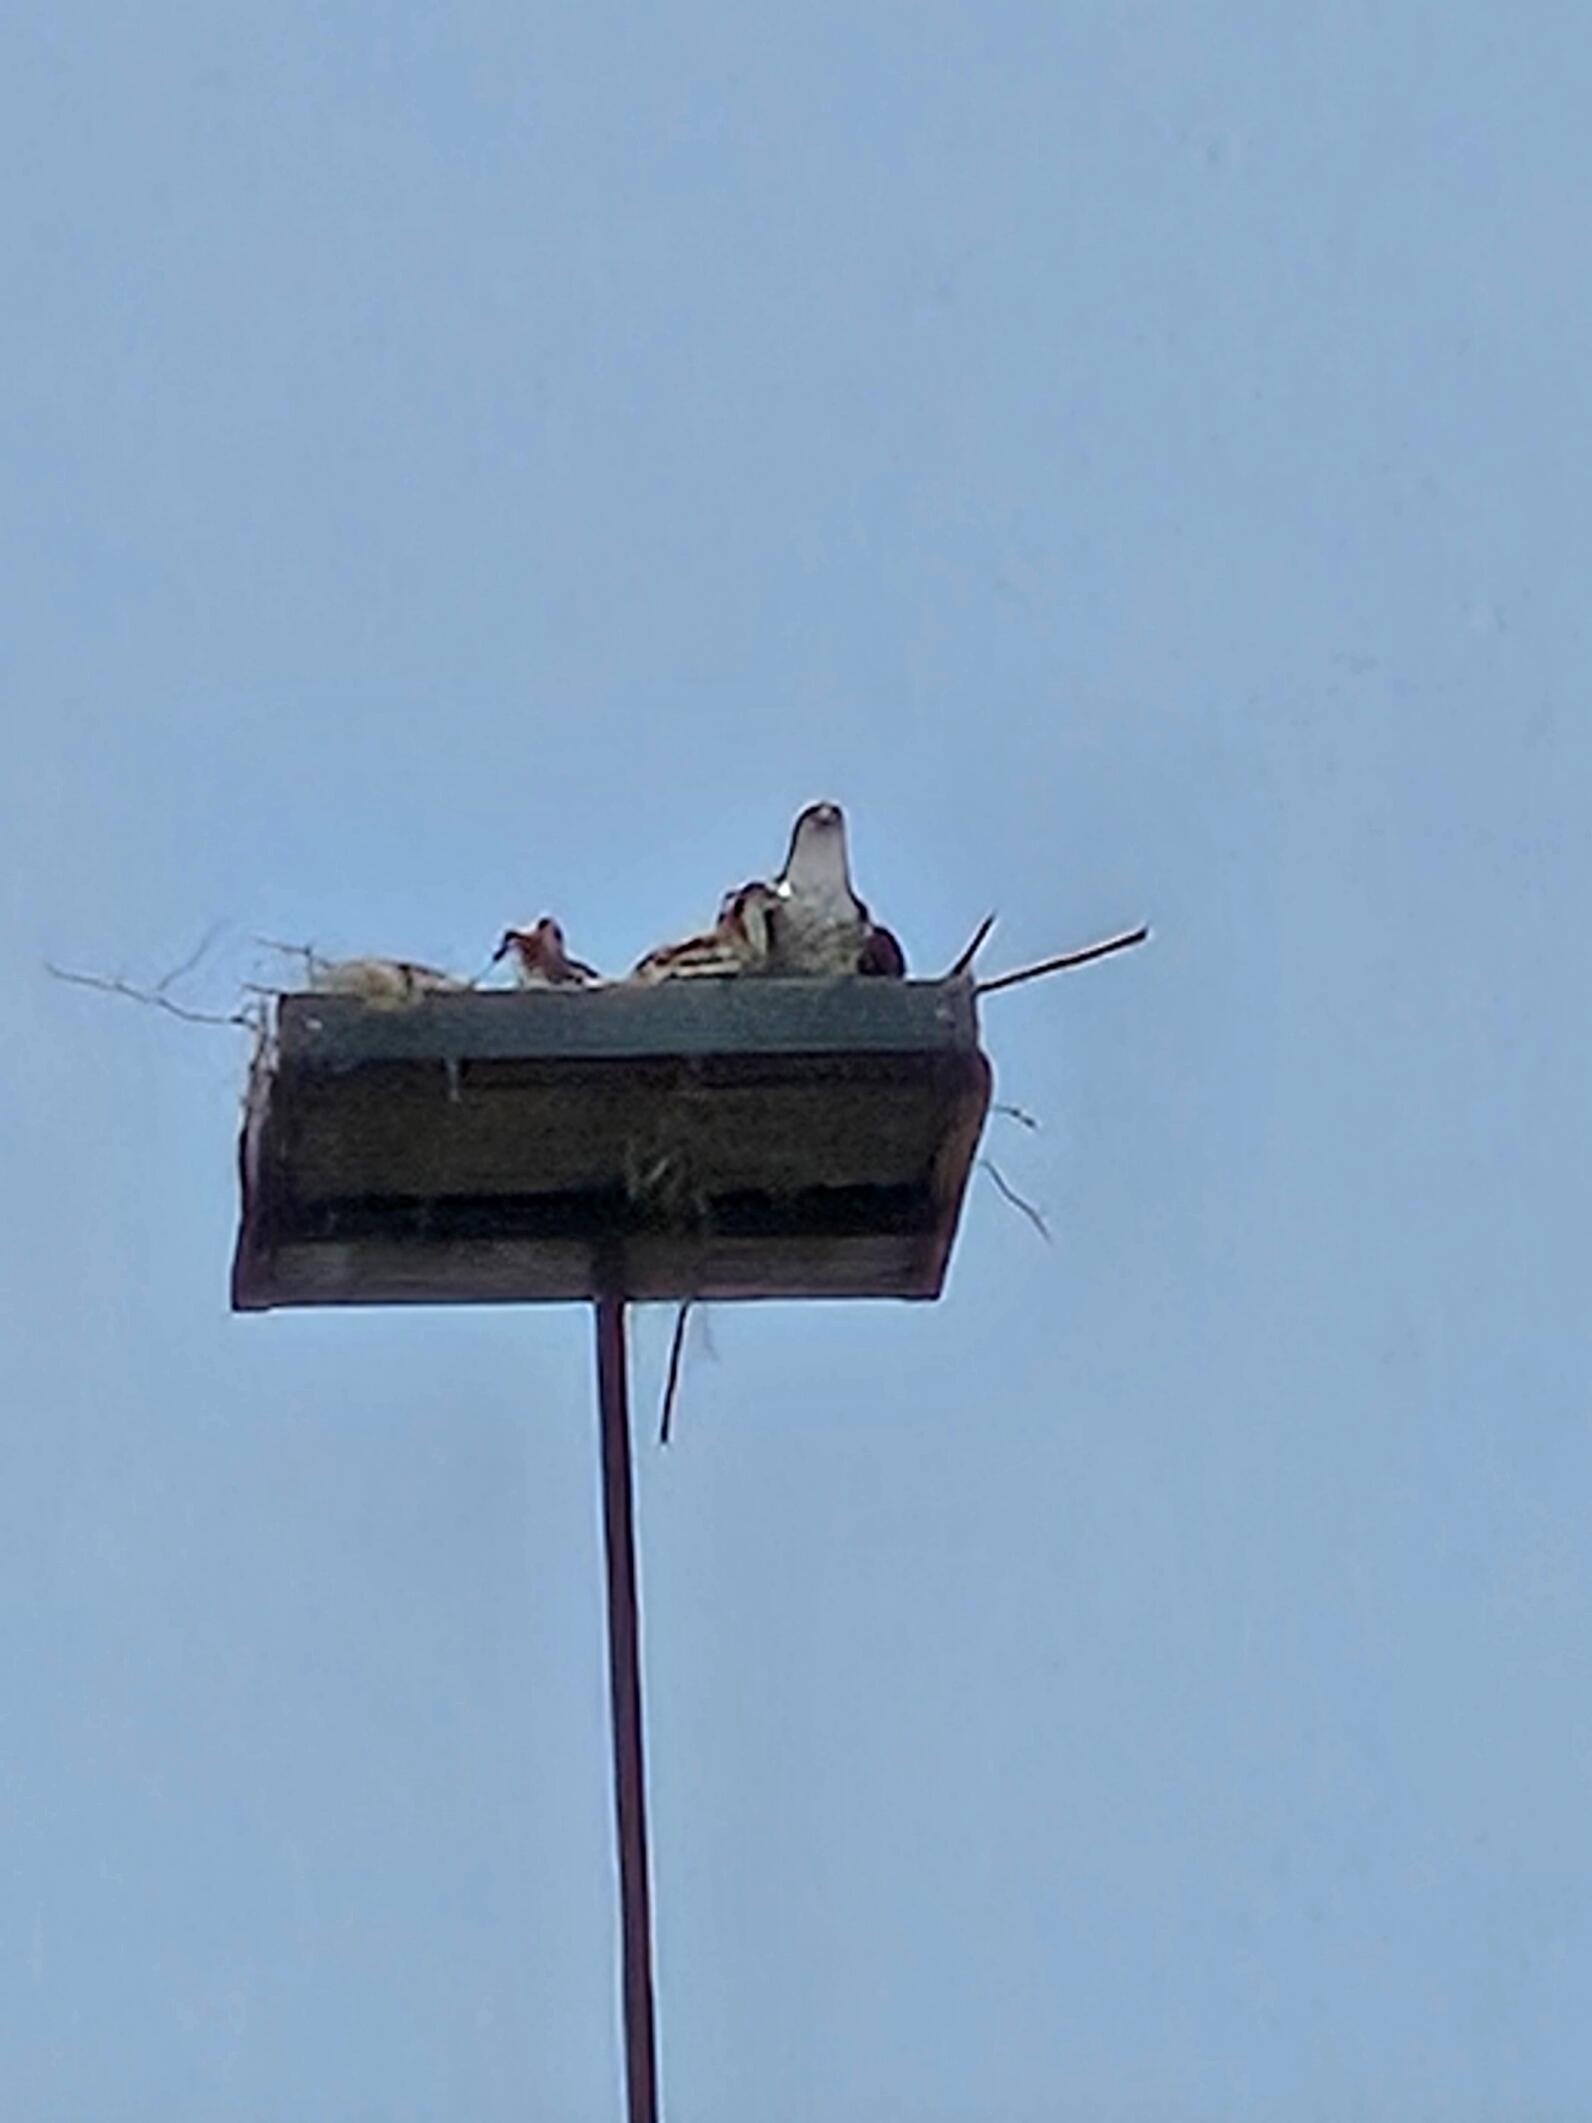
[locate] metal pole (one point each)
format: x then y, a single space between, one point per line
624 1690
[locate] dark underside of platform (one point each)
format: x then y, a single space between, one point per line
707 1138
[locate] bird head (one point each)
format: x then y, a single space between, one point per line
817 862
536 948
749 915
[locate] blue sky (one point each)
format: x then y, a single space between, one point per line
465 462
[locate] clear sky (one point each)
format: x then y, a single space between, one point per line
467 461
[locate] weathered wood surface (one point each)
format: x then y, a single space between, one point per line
732 1138
672 1019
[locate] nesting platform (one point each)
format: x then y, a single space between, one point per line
704 1138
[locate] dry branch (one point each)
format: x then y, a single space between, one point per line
1065 961
970 950
1023 1118
177 973
671 1385
1016 1200
109 984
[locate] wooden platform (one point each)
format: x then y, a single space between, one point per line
707 1138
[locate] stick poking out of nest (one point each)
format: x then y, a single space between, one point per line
1065 962
152 998
671 1387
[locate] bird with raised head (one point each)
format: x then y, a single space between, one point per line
822 926
541 959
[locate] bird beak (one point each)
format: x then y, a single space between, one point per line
822 821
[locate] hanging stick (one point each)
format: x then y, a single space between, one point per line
1066 960
671 1386
1011 1194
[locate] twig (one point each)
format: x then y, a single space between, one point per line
152 996
970 950
272 943
1016 1113
1015 1198
1067 959
308 955
671 1384
193 958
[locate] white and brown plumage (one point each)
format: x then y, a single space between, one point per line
385 981
541 960
821 925
740 941
750 917
881 953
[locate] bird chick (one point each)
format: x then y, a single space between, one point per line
750 917
738 942
540 959
383 981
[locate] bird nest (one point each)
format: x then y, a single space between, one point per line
725 1139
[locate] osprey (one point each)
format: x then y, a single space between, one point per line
749 916
740 941
822 926
384 981
882 953
540 960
